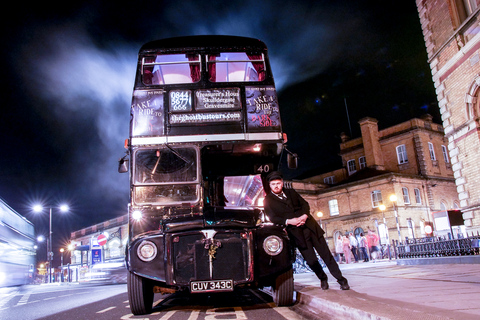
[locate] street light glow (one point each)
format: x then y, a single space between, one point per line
382 207
319 214
37 208
64 208
393 198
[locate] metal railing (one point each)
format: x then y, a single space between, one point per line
437 247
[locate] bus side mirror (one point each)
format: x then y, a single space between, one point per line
123 165
292 160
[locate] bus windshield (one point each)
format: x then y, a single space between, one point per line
165 165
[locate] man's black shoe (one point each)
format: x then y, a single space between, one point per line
344 285
324 284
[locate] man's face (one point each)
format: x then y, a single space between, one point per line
276 186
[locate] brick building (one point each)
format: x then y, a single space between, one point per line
409 160
450 29
84 244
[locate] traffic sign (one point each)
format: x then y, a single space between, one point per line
102 240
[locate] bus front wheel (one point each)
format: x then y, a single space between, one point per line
282 290
140 294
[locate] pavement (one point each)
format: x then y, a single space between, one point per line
426 290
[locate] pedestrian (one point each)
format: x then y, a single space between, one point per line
347 252
339 248
372 240
353 246
287 208
363 244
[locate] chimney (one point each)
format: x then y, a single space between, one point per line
371 143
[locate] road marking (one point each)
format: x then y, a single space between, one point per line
285 312
105 310
6 298
167 315
225 313
24 299
194 315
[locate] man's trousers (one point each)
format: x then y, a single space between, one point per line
320 245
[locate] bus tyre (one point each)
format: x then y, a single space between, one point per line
282 290
140 294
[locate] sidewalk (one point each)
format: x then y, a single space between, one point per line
385 290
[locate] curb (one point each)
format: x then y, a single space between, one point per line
338 304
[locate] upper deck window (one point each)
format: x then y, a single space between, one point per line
236 67
171 69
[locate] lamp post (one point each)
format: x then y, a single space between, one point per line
393 198
61 264
319 215
39 208
385 229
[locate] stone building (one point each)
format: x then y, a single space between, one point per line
409 160
450 29
84 245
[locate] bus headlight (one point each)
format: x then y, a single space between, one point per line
147 251
137 215
273 245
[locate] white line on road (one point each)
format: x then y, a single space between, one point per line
6 299
105 310
24 299
194 315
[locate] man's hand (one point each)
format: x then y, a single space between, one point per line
297 222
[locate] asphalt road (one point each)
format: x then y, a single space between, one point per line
111 302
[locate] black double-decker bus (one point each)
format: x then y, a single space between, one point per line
205 131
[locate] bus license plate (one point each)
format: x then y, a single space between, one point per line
212 285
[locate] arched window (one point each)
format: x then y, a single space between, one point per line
443 206
472 109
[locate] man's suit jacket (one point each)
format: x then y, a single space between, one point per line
278 211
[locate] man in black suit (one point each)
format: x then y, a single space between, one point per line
287 208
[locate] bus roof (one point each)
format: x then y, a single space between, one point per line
199 42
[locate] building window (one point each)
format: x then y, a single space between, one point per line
418 199
411 228
406 197
402 154
445 154
351 167
376 198
462 9
333 206
329 180
362 162
432 152
443 206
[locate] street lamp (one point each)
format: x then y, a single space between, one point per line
39 208
393 198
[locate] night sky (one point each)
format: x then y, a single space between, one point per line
68 70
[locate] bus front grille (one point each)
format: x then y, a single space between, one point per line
194 258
